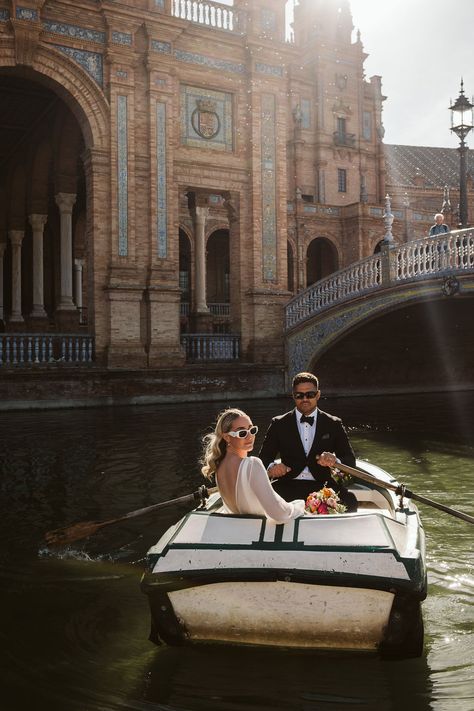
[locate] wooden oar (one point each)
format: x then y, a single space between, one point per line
401 490
69 534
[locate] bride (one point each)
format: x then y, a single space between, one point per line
242 480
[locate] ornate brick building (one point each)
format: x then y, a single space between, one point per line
171 172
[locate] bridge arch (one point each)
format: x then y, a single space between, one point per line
400 319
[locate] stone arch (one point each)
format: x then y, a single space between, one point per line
73 85
185 275
322 259
291 264
68 143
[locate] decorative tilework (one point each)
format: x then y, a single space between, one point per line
92 62
4 14
269 241
160 4
121 74
221 136
268 69
161 181
59 28
122 175
163 47
124 38
26 13
194 58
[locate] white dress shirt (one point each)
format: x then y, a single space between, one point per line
307 435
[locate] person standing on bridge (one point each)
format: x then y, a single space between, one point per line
308 441
439 226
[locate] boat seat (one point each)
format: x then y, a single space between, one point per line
372 498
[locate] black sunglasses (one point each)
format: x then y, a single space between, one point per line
310 395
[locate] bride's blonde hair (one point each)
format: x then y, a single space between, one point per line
214 444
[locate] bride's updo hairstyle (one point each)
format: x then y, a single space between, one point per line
214 443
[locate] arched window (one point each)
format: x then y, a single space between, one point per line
321 260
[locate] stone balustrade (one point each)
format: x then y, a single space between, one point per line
340 286
452 252
29 349
211 14
205 347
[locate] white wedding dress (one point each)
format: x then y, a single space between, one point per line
254 494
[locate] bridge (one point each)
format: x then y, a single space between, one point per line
401 315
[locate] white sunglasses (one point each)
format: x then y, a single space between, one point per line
244 433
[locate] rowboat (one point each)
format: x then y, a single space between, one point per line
352 581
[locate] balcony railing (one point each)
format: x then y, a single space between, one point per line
344 139
210 14
205 347
219 309
30 349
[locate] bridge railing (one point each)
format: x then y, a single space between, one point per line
341 286
452 251
423 258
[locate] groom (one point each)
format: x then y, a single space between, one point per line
308 441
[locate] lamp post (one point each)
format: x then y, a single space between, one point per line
461 126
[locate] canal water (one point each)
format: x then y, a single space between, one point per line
74 628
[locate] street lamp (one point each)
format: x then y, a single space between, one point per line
461 126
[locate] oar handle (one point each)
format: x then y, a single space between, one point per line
400 489
198 496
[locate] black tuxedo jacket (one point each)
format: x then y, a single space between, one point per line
283 440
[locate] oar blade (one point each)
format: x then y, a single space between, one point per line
64 536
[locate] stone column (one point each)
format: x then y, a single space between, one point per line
2 252
65 202
37 223
16 238
78 266
200 260
201 318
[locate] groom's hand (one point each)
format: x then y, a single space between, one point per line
278 470
327 459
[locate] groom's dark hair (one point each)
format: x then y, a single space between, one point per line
305 378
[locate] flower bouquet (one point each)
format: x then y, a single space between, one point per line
325 501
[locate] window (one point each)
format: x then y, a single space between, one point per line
341 127
306 113
367 125
342 180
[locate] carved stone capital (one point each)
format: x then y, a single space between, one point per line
37 222
65 202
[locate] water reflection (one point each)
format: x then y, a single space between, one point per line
75 634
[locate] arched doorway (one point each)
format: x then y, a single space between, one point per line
184 279
321 260
290 266
42 220
218 279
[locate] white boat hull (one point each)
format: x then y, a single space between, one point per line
284 614
351 581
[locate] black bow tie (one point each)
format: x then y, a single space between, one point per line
309 420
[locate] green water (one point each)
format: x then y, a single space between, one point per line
75 624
